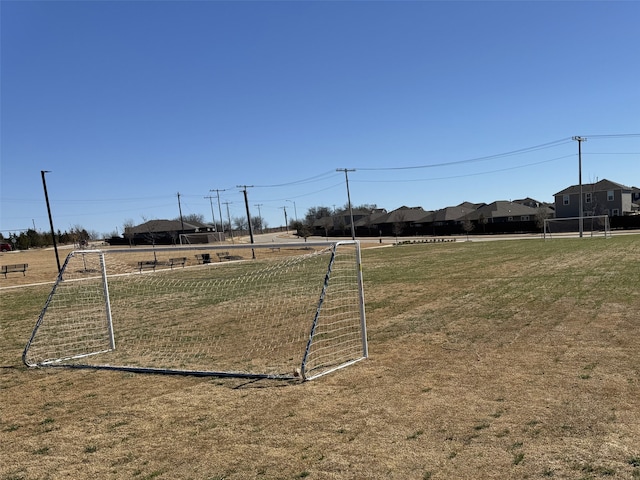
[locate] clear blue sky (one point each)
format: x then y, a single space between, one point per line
129 103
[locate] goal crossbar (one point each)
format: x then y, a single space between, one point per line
277 310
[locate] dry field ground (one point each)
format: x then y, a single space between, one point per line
497 360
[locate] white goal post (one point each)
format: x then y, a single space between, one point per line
592 226
284 311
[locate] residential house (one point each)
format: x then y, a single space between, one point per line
601 198
401 221
505 211
454 215
370 225
167 232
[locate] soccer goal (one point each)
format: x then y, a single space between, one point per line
592 226
200 238
285 311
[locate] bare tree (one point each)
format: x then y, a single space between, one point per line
240 223
467 226
399 224
192 218
542 213
127 229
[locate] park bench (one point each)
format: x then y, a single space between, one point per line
203 258
19 267
223 256
177 261
148 264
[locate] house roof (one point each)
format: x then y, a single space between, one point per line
530 202
502 209
403 215
155 226
602 185
455 213
373 219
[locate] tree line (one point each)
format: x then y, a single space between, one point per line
34 239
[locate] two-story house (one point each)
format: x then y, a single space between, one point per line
601 198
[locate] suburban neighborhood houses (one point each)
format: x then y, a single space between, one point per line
605 197
601 198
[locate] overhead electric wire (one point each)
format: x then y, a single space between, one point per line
298 182
543 146
615 135
466 174
341 184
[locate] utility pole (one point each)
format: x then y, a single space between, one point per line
180 209
580 219
295 210
286 222
213 218
246 205
229 217
260 216
53 233
220 212
346 177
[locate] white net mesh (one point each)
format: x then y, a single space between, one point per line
593 226
206 310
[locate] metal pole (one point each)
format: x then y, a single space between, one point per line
580 213
53 233
346 177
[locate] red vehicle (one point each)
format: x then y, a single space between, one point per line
5 247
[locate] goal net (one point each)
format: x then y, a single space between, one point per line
200 238
592 226
260 311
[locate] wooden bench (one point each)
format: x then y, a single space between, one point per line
18 267
223 256
177 261
148 264
203 258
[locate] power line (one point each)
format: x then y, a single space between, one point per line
297 182
468 174
555 143
615 135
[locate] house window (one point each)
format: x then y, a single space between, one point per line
615 212
587 198
525 218
510 219
609 195
565 199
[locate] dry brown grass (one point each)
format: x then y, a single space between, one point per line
500 360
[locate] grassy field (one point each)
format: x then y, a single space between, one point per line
488 360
